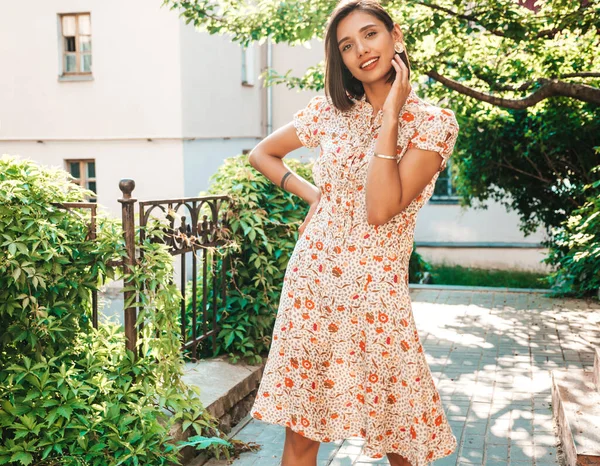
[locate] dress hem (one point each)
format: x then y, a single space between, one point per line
372 456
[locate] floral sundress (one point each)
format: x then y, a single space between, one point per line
346 359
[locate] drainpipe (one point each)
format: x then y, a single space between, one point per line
270 88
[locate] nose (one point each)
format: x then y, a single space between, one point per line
361 48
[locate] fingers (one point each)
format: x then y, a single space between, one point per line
401 71
403 68
398 69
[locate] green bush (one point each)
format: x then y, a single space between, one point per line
264 226
70 394
575 248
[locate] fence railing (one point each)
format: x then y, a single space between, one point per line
196 234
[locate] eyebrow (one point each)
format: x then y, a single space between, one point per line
360 30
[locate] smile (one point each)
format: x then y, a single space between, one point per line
370 64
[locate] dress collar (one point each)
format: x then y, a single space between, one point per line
363 106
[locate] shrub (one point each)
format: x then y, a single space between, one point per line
575 249
71 394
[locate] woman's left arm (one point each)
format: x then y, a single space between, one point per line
392 186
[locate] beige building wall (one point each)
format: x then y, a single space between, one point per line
142 161
214 102
135 92
165 105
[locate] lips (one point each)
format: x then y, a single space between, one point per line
372 65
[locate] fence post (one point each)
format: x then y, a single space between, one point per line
127 207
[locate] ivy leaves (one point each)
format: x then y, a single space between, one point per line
69 392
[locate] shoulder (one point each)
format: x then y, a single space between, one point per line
319 102
318 106
432 117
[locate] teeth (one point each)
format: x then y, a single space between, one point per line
369 62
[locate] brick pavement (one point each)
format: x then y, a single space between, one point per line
490 353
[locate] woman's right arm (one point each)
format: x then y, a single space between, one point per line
267 158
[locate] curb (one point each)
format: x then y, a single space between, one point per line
417 286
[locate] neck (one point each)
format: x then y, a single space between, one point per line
376 93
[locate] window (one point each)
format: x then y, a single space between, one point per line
248 65
76 39
444 190
84 172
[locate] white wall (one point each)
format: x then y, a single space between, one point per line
452 223
488 258
202 158
214 102
135 61
286 101
156 167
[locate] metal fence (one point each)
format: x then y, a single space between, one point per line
193 229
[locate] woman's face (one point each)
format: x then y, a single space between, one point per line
361 39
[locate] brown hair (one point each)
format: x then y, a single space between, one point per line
339 82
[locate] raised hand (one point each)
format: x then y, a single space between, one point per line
399 91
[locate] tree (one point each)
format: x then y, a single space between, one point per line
522 78
497 51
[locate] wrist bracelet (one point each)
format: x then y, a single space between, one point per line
389 157
284 179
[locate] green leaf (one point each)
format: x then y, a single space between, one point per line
22 457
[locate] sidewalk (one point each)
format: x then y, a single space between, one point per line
490 354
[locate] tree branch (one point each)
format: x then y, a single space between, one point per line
506 164
550 88
527 84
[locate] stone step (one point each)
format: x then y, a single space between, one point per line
576 407
227 392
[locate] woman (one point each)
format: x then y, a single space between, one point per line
346 359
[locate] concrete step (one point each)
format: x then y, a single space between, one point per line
227 392
576 407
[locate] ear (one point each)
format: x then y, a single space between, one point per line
397 33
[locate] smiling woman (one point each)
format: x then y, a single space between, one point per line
377 34
346 359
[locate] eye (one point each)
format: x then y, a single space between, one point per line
345 47
372 32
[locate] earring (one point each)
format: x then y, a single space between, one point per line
398 47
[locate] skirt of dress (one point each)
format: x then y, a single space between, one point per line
346 358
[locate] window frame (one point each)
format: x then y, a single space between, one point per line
247 65
83 179
78 52
451 197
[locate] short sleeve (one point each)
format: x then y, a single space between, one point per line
437 132
308 122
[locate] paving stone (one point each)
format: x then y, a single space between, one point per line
449 460
522 452
472 455
497 452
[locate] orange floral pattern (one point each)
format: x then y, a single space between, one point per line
346 359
